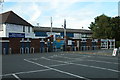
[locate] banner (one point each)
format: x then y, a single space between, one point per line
16 35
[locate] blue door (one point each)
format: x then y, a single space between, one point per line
48 45
42 47
73 46
5 47
83 45
93 45
27 47
22 49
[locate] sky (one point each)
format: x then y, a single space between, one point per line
78 13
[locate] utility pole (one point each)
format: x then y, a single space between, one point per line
65 33
51 26
1 6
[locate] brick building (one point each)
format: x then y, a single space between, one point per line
17 36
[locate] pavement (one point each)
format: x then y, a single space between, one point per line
60 66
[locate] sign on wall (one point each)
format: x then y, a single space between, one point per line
69 42
16 35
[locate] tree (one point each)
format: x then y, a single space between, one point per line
106 27
115 24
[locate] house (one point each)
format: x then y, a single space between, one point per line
12 25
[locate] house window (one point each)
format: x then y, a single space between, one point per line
28 29
23 28
1 27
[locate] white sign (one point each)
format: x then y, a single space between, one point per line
69 42
114 52
77 43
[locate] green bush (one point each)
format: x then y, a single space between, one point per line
117 44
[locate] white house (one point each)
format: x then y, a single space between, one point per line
12 25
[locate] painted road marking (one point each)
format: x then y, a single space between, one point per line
105 57
58 65
89 60
16 76
98 56
84 65
26 72
57 70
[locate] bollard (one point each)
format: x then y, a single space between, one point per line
32 50
47 49
81 48
4 51
21 50
75 48
26 50
84 47
10 51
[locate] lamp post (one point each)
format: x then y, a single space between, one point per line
1 1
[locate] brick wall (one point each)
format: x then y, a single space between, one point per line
14 45
35 43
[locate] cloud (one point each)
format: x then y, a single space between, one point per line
61 0
30 11
36 13
41 11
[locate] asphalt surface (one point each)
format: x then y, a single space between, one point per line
59 66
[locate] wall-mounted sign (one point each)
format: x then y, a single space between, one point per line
16 35
69 42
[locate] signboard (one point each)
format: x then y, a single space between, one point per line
69 42
114 52
16 35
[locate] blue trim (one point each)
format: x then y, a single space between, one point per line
42 34
67 34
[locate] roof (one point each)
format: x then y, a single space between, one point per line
47 29
12 18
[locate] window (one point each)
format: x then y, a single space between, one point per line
1 27
23 28
28 29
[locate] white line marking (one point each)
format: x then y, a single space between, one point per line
16 76
89 60
84 65
26 72
97 56
101 61
107 58
58 65
56 70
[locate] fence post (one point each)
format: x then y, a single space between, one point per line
4 51
10 51
47 49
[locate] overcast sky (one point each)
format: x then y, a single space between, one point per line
78 13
